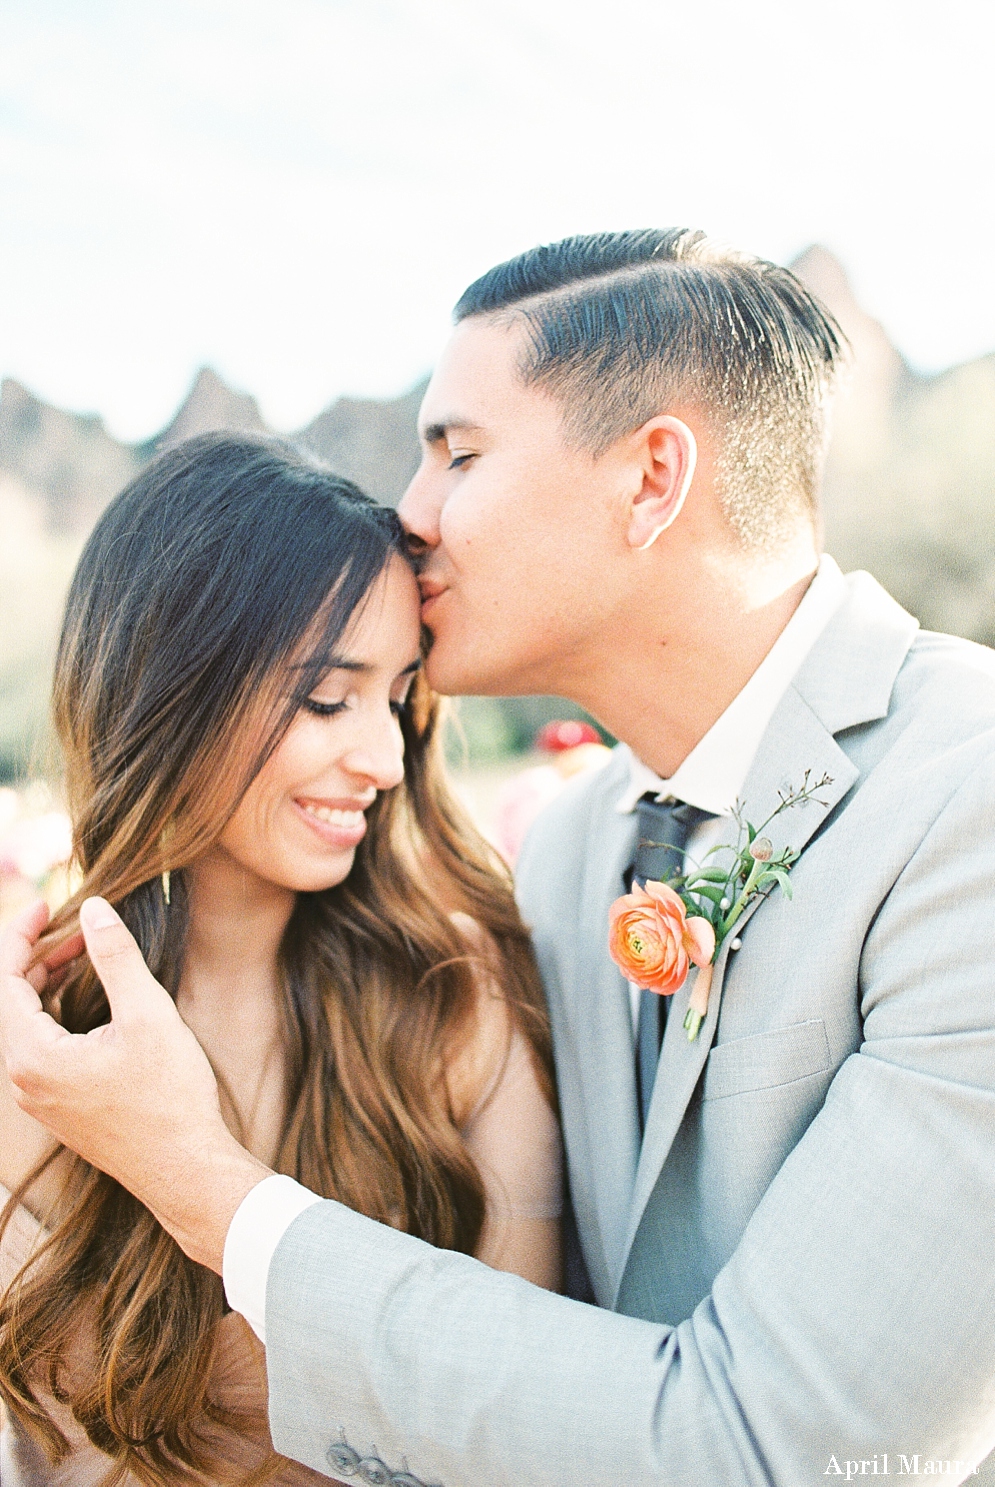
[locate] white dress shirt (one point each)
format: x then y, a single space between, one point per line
711 778
713 774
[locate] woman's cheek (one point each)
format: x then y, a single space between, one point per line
287 770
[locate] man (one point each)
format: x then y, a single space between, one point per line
792 1215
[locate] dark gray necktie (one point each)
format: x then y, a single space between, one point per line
663 834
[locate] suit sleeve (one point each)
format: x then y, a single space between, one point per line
856 1317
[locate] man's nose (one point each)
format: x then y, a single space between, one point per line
420 508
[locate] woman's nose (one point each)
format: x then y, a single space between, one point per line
379 755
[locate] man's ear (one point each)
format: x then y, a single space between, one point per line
668 452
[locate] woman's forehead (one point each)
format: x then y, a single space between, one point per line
384 631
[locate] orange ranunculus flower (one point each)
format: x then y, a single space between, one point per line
652 940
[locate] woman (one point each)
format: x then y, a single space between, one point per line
254 775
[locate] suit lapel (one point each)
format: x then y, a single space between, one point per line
601 1034
776 769
846 680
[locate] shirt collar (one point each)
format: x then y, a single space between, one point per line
713 774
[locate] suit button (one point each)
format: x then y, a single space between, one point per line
375 1472
343 1459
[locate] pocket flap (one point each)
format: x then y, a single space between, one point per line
764 1060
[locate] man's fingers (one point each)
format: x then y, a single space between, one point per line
37 977
20 937
28 1031
17 948
67 951
19 1003
130 986
57 965
25 1019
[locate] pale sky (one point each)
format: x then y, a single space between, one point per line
296 191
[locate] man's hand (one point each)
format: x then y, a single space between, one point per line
137 1097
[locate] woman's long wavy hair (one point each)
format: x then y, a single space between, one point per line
202 614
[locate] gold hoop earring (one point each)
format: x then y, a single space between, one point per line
164 840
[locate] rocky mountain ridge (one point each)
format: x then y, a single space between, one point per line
909 490
72 466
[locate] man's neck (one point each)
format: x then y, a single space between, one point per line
662 683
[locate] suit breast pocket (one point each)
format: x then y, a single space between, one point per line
766 1060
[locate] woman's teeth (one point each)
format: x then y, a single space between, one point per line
332 815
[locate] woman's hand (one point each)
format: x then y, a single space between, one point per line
136 1097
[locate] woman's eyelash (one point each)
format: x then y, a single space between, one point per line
458 460
323 709
332 709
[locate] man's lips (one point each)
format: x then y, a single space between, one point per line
431 588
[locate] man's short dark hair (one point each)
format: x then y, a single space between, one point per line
624 325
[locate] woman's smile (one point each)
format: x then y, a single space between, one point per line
339 823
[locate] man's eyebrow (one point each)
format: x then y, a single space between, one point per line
435 433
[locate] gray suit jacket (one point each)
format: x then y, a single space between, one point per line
801 1256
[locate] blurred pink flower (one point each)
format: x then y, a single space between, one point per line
524 796
520 801
565 733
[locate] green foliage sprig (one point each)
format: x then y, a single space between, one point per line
720 892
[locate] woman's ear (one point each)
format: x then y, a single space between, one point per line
668 452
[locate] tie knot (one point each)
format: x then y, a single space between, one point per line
664 829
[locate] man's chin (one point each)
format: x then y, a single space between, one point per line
450 678
454 672
467 678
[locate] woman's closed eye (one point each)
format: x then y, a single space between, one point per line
333 709
323 709
459 460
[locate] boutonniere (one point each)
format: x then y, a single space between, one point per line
657 932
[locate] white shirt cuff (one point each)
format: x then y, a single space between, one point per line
261 1220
